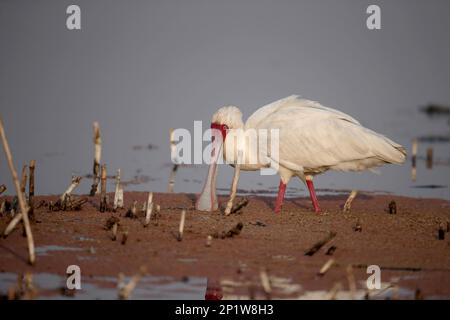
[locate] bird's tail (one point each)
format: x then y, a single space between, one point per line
392 152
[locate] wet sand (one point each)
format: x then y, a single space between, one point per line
405 245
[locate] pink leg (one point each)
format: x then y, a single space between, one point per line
280 197
312 193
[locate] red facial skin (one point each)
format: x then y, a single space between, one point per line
223 128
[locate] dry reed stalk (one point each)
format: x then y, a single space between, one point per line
430 158
237 170
22 203
97 158
414 160
23 180
31 167
103 200
116 193
149 208
348 203
173 156
181 228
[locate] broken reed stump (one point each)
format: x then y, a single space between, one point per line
131 213
208 241
97 158
430 158
348 203
23 181
22 203
357 227
124 238
103 200
149 209
316 247
392 207
114 231
441 232
265 283
74 183
414 160
181 227
31 167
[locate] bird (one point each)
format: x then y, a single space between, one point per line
312 139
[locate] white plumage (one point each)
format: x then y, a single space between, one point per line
312 139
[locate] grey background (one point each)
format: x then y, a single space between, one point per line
142 67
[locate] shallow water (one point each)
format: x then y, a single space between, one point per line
49 286
141 70
148 288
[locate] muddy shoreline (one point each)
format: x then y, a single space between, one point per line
405 245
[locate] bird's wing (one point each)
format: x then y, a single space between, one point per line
294 102
315 137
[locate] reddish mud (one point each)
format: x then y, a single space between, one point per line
405 245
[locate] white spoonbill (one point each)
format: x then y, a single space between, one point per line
312 140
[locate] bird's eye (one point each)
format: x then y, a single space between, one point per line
225 127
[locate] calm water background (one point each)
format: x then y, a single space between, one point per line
142 67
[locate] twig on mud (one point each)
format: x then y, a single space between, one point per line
326 267
181 228
125 290
348 203
239 206
22 203
316 247
236 230
97 158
